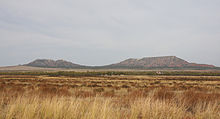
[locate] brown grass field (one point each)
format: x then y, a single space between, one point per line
109 97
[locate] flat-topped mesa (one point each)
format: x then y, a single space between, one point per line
159 62
53 64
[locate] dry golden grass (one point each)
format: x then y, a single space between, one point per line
99 107
114 97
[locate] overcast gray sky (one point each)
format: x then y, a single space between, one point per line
98 32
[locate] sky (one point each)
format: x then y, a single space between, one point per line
100 32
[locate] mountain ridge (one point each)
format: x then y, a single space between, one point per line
131 63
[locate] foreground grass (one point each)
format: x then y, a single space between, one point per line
109 97
100 107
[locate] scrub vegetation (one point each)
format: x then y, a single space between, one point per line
59 95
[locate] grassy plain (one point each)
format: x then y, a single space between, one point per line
42 96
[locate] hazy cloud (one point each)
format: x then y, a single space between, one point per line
97 32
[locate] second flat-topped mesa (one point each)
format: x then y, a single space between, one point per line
158 62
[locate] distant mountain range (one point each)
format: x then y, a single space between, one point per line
165 62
